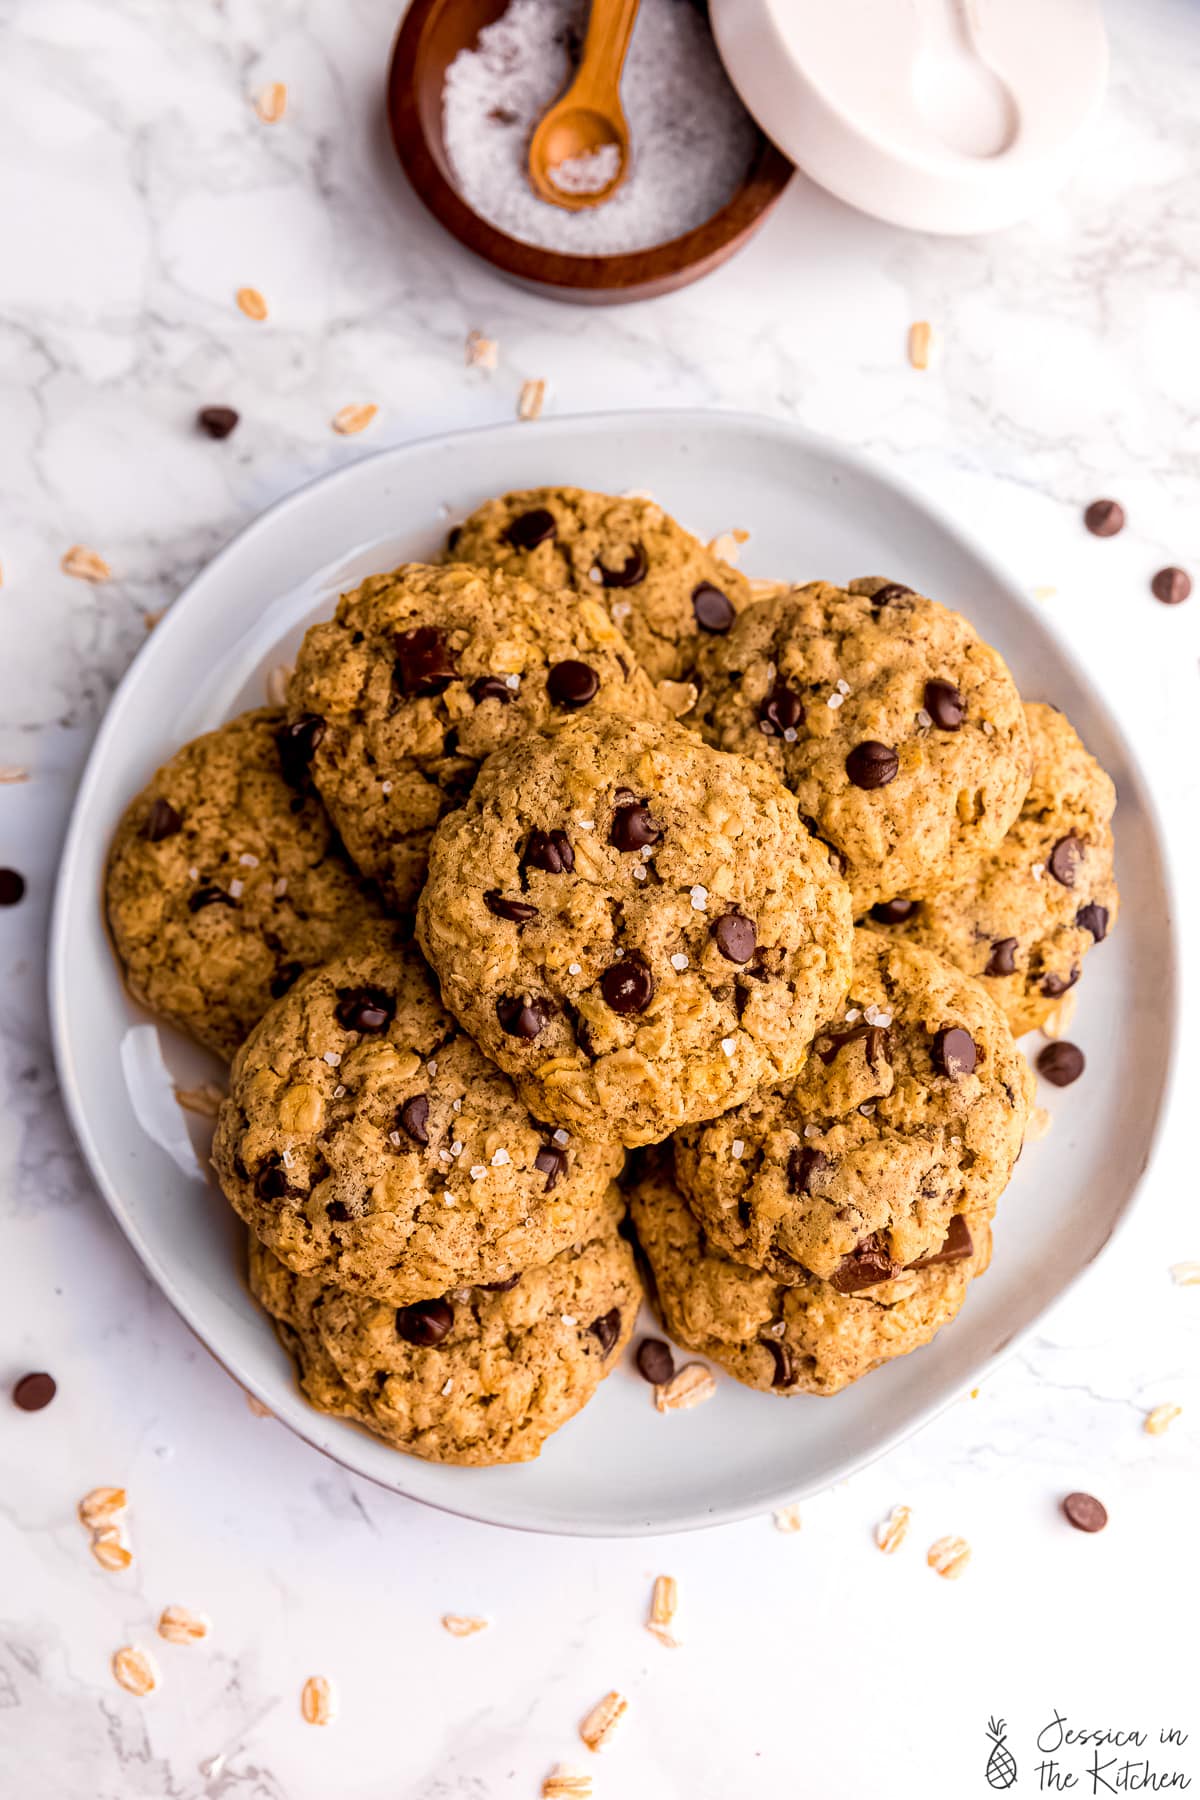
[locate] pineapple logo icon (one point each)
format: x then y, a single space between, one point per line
1001 1764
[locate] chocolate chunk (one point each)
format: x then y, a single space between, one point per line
631 572
1065 859
956 1245
713 609
654 1361
453 538
632 826
498 1287
1104 518
572 684
628 986
209 895
271 1182
606 1329
297 744
785 1370
829 1043
1060 1063
425 663
548 850
338 1212
369 1009
285 977
1093 918
1055 985
413 1117
217 421
1002 959
552 1163
1171 586
872 765
803 1163
35 1390
954 1052
1085 1512
782 710
735 936
523 1016
866 1266
530 529
12 887
162 821
892 590
519 911
945 705
425 1323
894 912
492 687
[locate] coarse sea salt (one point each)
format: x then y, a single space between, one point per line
691 138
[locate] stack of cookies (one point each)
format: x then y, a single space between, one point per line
577 844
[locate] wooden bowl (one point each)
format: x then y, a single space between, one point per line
431 36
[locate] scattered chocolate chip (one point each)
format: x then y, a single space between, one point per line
1104 518
34 1391
498 1287
548 850
162 821
521 1016
803 1163
872 765
785 1371
552 1163
1053 986
12 887
285 977
413 1117
782 710
503 115
1064 860
631 572
894 912
956 1246
954 1052
297 744
1171 586
271 1182
530 529
1093 918
606 1329
632 826
217 421
425 663
491 687
1060 1063
866 1266
892 590
945 705
572 684
654 1360
628 986
1002 959
735 936
209 895
519 911
1085 1512
424 1323
713 609
369 1009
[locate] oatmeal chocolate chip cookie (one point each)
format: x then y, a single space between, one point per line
422 673
1025 917
900 733
910 1109
636 927
806 1337
665 590
226 880
479 1375
370 1144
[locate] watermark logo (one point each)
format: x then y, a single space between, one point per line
1001 1763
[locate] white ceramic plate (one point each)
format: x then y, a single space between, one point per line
812 509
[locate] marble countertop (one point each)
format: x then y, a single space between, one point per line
138 191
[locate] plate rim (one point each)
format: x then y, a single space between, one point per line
313 1427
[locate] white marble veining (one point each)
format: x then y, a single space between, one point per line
138 191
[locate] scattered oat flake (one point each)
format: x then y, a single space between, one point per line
1156 1422
664 1603
85 564
257 1408
270 102
1058 1020
949 1556
727 545
1186 1274
11 773
179 1625
690 1386
316 1701
251 303
532 399
101 1505
463 1624
134 1670
891 1532
276 683
919 336
108 1549
787 1519
353 419
566 1783
482 352
1038 1124
602 1721
151 619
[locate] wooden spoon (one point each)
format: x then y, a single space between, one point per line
588 117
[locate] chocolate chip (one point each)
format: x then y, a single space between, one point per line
956 1246
628 986
519 911
866 1266
271 1182
785 1371
491 687
1065 859
631 572
954 1052
894 912
413 1117
209 895
1002 959
552 1163
872 765
338 1212
425 663
548 850
425 1323
735 936
34 1391
892 590
218 421
498 1287
369 1009
606 1329
1093 918
453 538
297 744
162 821
285 977
830 1043
572 684
632 826
803 1163
1171 586
529 529
1053 986
782 710
1060 1063
1104 518
654 1361
1085 1512
522 1016
945 705
713 609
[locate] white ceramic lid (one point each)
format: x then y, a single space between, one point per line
942 115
